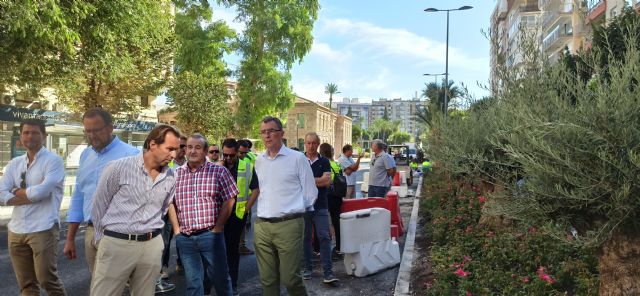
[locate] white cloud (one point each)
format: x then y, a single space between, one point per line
309 88
381 42
229 16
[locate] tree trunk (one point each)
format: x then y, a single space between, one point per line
619 264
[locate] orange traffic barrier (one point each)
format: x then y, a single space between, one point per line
396 179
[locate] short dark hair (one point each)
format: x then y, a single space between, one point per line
326 150
98 111
34 122
243 143
276 120
346 148
159 133
248 143
230 143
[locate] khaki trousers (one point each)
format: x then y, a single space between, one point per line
279 255
34 260
90 250
119 261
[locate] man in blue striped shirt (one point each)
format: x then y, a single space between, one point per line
104 147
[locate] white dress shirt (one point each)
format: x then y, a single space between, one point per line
287 185
45 180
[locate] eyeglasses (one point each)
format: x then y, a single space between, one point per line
214 151
23 180
269 131
242 152
93 131
228 155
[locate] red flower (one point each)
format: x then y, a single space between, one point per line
544 276
461 273
525 279
533 229
482 199
469 293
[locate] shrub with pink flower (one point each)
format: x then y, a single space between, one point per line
461 273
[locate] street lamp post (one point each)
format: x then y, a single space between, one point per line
435 79
446 61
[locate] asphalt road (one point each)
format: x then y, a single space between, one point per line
75 276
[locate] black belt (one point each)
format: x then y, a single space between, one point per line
134 237
197 232
281 219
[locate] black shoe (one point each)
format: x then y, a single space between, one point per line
164 286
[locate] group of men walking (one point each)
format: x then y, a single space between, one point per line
184 186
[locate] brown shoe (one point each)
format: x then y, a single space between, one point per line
245 251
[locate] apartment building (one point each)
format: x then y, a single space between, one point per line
356 110
398 109
562 27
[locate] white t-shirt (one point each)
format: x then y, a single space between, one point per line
346 162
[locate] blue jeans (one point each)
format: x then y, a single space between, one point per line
320 220
204 258
378 191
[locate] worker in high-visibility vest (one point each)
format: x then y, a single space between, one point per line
245 153
426 166
247 182
414 165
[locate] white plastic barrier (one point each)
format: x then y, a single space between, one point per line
366 241
402 190
403 178
364 187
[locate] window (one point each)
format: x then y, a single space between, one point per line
144 101
300 120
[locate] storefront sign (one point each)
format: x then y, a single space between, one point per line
15 114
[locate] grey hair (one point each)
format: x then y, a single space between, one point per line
199 136
313 134
380 144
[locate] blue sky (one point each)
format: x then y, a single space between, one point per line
380 49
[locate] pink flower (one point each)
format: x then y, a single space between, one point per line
469 293
482 199
547 278
461 273
533 229
525 279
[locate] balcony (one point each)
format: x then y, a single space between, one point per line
557 37
595 10
552 17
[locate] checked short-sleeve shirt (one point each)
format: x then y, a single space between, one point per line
200 195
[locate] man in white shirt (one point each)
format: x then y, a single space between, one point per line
287 190
349 169
33 184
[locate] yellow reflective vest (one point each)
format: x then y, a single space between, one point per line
245 172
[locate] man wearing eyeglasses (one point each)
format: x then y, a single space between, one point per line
103 147
243 172
213 154
203 202
33 184
287 190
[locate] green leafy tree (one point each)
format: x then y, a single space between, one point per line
331 89
107 53
399 137
202 105
382 129
199 68
435 93
277 34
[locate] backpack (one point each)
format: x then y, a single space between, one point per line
339 185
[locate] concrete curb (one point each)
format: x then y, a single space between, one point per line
403 282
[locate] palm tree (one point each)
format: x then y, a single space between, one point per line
331 89
435 93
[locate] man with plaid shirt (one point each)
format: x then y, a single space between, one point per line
202 204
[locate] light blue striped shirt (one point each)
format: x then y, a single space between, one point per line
44 178
92 163
128 201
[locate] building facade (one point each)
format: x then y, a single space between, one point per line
356 110
308 116
404 111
